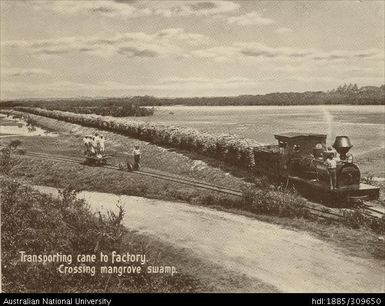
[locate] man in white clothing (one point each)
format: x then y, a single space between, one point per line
331 163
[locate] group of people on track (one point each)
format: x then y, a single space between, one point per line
95 148
94 145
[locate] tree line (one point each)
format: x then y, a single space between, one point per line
104 107
136 105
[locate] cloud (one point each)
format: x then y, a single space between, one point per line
264 51
116 8
252 18
90 7
163 43
192 8
177 43
259 51
218 54
252 50
180 35
338 55
7 72
283 30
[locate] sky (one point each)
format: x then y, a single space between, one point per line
100 48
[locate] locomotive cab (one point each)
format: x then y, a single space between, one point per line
294 146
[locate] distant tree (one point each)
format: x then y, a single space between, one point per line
143 105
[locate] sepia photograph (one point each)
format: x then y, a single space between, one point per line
227 146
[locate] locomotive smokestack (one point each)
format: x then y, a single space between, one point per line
342 145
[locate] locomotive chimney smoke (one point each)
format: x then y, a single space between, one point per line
328 117
342 145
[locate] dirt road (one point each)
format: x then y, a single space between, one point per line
288 260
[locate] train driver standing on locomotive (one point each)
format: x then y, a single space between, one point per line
331 150
331 163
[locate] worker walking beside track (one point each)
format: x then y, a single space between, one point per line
136 153
102 143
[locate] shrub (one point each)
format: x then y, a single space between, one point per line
39 224
274 202
357 218
7 161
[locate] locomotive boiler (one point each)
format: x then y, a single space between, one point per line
301 160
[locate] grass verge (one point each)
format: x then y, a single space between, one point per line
39 224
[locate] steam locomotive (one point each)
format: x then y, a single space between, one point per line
301 160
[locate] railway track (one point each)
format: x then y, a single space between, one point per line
163 176
374 211
323 213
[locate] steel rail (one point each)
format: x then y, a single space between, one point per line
145 173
